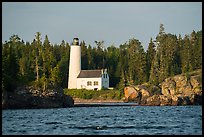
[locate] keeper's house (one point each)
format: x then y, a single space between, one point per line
93 79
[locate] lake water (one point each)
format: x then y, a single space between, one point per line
120 120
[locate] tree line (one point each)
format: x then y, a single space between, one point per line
45 65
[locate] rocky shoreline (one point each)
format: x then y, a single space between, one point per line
173 91
81 101
31 98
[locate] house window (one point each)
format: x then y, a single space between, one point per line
89 83
95 83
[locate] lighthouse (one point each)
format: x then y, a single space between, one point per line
74 64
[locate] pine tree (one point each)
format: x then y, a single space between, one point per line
151 51
185 55
84 57
37 53
136 63
10 66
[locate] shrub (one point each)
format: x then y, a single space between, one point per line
93 94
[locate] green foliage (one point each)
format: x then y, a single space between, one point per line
150 56
93 94
45 65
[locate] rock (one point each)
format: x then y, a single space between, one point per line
180 80
165 90
124 99
198 91
168 87
197 99
172 87
185 88
165 100
176 100
131 94
186 100
194 80
135 99
137 88
27 98
128 91
68 101
177 90
144 95
153 100
187 92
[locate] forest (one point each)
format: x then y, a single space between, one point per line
45 65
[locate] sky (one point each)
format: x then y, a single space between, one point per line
112 22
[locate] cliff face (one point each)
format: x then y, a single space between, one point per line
177 90
29 97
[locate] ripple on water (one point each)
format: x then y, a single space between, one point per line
107 120
48 123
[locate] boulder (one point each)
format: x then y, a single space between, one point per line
68 101
144 95
128 91
168 87
197 100
165 100
176 100
185 88
180 80
172 87
186 101
153 100
198 91
135 99
131 95
164 88
194 80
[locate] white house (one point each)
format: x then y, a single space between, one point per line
87 79
93 79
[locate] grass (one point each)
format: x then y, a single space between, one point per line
94 94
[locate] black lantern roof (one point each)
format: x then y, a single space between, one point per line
75 41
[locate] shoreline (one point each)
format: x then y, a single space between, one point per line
92 101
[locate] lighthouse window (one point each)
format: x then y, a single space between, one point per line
89 83
95 83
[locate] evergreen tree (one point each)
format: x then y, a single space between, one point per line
151 51
167 60
84 57
10 67
185 55
136 63
38 51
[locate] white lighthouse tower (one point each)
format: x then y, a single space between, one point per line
74 64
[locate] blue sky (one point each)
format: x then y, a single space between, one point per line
113 22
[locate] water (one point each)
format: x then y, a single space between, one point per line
121 120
